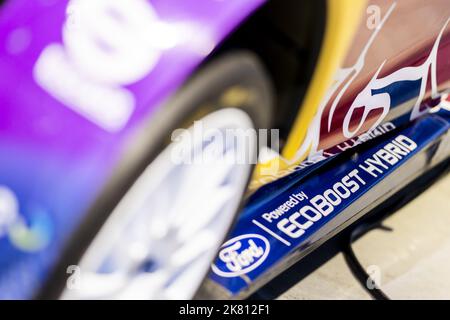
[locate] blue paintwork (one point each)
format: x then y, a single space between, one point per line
423 132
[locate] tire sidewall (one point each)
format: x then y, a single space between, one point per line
197 97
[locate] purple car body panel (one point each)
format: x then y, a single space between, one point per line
54 155
79 78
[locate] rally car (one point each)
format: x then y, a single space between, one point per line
135 133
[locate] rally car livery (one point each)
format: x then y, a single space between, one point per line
108 191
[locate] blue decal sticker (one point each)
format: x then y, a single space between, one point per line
241 255
289 219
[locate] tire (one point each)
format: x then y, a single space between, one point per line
231 84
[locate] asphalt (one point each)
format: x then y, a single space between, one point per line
410 258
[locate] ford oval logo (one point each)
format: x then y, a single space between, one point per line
241 255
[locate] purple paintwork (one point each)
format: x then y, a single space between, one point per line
54 158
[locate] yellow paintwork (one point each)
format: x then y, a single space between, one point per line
343 18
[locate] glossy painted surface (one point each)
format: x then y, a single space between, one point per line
267 236
398 64
65 119
66 116
397 68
